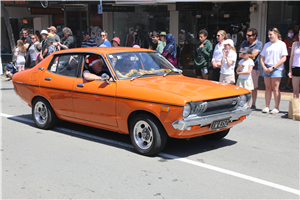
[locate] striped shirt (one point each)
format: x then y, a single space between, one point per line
90 43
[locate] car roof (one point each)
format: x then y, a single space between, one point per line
103 50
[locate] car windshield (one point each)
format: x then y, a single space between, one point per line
137 64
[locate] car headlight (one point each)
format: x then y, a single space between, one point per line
186 110
244 99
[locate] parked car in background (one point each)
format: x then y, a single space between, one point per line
139 93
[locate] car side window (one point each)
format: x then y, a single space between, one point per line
66 65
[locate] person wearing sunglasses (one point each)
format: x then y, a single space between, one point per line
104 39
127 65
256 47
25 38
31 56
272 58
218 55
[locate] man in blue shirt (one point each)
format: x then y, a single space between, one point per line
256 47
87 40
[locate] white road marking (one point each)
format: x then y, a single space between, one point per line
199 164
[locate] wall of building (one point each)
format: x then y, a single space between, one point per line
258 19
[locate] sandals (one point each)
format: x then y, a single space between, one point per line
266 110
274 111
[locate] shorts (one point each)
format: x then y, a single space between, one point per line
227 78
245 83
201 72
296 71
255 77
276 73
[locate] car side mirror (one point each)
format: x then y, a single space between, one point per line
105 78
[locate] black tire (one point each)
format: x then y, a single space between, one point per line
147 135
217 136
43 115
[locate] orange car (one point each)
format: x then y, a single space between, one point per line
130 91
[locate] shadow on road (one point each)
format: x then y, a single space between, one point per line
177 147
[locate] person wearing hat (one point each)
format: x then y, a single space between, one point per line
51 47
87 40
52 30
160 45
95 69
244 69
162 37
45 46
228 63
115 42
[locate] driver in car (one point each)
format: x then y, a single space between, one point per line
95 70
127 64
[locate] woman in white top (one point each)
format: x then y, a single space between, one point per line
228 63
218 54
20 53
295 66
272 58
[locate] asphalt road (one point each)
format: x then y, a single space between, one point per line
259 159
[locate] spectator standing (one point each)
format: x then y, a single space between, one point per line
272 58
37 32
25 38
130 38
256 47
202 55
288 42
244 70
115 42
53 31
296 32
44 53
105 41
295 66
20 53
68 40
218 54
51 48
87 40
162 37
31 52
161 45
170 50
228 63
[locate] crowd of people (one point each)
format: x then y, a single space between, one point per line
274 56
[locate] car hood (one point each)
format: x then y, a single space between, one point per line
192 88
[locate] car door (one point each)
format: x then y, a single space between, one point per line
94 101
57 82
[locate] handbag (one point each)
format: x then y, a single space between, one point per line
294 108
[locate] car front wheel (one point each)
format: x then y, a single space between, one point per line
217 136
43 114
147 135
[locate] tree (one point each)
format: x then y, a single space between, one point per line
8 26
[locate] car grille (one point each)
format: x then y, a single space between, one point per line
229 103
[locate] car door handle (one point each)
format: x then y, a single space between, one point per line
80 85
47 78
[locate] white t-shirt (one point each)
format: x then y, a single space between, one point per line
247 64
218 54
273 53
225 69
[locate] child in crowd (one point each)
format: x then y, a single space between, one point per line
51 48
244 70
228 63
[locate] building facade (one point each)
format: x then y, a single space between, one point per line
139 17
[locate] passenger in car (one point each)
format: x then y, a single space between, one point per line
127 65
95 69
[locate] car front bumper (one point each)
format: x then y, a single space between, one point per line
206 120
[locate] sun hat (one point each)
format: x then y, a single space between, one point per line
163 33
229 41
50 35
44 32
116 39
136 46
246 50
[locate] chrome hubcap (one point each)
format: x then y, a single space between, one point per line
143 134
40 112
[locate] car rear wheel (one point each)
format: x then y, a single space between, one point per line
217 136
147 135
43 114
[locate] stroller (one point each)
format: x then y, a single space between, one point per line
11 69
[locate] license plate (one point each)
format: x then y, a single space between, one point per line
219 124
